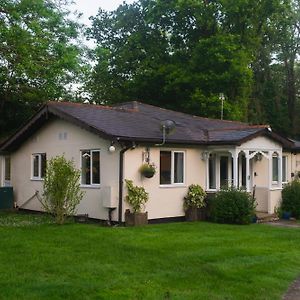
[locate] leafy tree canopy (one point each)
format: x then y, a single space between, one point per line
38 57
179 54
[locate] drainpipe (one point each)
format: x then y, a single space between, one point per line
121 178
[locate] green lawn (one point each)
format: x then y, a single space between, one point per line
167 261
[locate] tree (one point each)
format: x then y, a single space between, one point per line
179 54
61 186
39 57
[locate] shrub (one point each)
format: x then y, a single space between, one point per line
136 197
61 188
232 206
195 197
291 198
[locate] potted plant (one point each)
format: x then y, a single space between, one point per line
194 203
147 170
136 198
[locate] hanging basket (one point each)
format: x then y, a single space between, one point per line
147 170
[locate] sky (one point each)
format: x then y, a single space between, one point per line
90 7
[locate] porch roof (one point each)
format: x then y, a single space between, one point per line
135 121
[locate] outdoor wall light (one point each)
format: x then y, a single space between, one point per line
111 148
204 155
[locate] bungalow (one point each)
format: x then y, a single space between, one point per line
109 144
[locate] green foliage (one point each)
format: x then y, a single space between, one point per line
232 206
291 198
39 57
61 186
173 54
195 197
136 197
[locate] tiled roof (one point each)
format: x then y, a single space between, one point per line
135 121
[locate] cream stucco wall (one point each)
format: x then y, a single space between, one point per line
47 140
165 201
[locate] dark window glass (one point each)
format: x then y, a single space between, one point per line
275 168
96 167
212 171
178 167
223 171
165 167
7 168
36 162
43 165
86 167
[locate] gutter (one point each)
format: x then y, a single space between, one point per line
121 179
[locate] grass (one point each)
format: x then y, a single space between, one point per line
40 260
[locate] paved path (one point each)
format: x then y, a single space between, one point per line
293 293
283 223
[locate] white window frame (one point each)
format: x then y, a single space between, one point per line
95 185
39 155
172 168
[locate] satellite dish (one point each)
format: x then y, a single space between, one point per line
167 127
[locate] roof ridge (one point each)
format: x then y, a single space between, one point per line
97 106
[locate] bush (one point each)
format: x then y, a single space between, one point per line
195 197
136 197
232 206
291 198
61 188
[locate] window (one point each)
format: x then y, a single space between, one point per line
275 169
39 165
284 168
7 168
90 167
171 167
212 171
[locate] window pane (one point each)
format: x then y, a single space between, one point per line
7 168
43 165
36 159
178 167
86 167
275 169
165 167
223 171
284 169
96 167
212 172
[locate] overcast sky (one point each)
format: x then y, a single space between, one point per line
90 7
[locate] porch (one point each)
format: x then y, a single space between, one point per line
258 170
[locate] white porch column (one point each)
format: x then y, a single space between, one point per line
248 188
280 170
270 169
235 164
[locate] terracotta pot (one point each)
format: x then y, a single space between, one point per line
136 219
